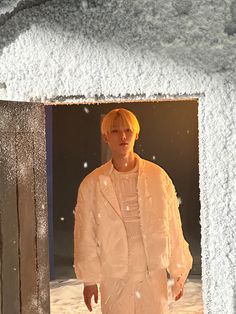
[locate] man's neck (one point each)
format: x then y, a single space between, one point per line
124 163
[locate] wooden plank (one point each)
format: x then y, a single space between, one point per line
42 217
49 149
10 281
20 116
7 118
27 223
0 254
28 118
1 176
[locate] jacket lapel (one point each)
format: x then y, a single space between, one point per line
142 180
109 192
144 196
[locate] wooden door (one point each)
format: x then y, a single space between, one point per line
24 282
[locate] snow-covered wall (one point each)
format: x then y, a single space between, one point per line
106 49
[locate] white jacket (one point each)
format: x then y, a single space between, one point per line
100 241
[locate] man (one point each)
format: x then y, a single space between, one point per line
127 228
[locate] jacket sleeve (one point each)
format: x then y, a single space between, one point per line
180 258
86 260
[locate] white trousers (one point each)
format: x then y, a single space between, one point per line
144 295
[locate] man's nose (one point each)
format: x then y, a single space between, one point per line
123 135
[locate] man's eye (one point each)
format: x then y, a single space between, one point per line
128 130
114 131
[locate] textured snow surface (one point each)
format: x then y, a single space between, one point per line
114 48
7 6
67 298
94 49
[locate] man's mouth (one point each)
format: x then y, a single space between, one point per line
122 144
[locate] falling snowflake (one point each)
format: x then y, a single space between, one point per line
62 218
153 157
171 282
179 200
86 110
138 295
85 164
84 4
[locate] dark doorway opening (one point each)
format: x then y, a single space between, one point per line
168 137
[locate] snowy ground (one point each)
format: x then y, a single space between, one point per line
67 298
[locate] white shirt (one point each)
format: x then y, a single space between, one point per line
125 186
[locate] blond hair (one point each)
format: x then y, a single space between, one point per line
127 117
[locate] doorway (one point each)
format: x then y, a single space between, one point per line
168 137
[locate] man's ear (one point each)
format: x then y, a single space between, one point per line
137 136
104 138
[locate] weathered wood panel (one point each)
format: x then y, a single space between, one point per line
10 279
42 221
27 222
24 265
0 255
21 117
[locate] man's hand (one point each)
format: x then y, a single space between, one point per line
177 290
89 292
180 294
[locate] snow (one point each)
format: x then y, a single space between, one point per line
86 109
134 50
67 298
137 294
77 50
7 6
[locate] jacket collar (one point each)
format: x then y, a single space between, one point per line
109 166
108 191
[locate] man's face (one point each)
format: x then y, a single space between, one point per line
121 139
